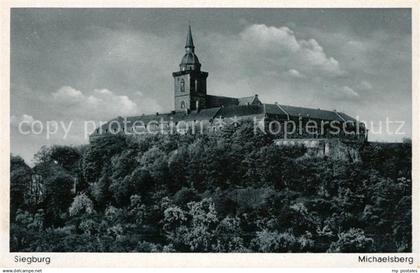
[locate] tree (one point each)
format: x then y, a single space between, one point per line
44 164
156 163
100 190
197 169
26 230
121 189
247 136
20 183
406 140
81 205
177 168
123 164
58 197
184 196
99 153
228 236
273 241
66 156
352 241
192 230
137 210
401 228
141 181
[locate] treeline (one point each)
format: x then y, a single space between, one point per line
234 191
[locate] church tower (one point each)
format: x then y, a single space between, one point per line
190 82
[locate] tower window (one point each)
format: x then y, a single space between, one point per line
182 104
182 85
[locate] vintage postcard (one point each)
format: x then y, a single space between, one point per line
186 134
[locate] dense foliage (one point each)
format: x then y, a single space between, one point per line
233 191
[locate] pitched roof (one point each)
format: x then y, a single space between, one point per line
241 110
143 120
346 117
304 112
249 100
217 101
274 111
175 116
204 114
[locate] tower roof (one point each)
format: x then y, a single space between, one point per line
190 60
189 42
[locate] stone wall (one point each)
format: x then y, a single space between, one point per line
326 147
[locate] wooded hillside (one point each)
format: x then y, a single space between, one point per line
229 192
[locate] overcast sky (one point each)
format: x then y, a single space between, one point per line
96 64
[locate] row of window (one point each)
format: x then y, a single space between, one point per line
182 85
184 105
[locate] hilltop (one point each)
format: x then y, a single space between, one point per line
232 191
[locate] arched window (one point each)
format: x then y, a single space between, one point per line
182 85
182 104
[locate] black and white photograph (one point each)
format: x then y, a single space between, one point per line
211 130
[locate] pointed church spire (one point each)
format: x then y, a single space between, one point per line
190 60
189 45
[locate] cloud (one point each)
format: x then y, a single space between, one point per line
296 74
348 92
102 92
344 95
275 62
365 85
265 37
68 95
283 47
15 120
100 103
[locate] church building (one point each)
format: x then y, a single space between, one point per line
190 85
193 103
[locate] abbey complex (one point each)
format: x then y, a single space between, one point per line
314 128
